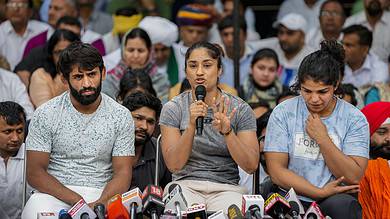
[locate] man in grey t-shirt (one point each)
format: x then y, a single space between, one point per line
81 143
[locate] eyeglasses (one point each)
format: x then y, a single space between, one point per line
15 5
330 14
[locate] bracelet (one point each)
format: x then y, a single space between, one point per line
227 133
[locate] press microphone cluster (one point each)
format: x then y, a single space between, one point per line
175 202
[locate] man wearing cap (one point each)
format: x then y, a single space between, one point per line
375 185
163 34
194 21
289 45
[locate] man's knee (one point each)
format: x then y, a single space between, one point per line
341 206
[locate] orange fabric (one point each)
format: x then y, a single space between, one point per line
375 190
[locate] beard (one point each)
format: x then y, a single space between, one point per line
289 49
141 140
374 8
86 99
380 150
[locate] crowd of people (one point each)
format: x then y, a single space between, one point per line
87 86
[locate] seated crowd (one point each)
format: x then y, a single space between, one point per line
98 98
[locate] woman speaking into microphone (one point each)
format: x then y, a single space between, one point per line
204 160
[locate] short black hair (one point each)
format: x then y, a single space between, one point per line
364 34
84 55
135 78
29 2
139 33
325 65
261 122
228 21
69 20
12 113
140 99
348 89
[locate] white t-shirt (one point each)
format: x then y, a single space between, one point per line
81 146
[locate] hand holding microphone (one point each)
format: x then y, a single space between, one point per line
198 109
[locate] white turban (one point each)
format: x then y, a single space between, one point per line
160 30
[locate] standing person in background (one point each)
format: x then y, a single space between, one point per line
262 83
137 54
206 165
80 144
317 143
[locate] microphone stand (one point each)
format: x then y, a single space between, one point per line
157 160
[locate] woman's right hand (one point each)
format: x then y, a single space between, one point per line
334 187
197 108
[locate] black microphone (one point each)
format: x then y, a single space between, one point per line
200 94
255 211
64 214
85 215
100 211
294 211
234 212
276 206
152 201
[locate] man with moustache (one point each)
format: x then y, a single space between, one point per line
377 20
145 109
80 144
375 185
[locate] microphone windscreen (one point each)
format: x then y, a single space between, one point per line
234 212
200 92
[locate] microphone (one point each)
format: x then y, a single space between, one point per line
64 214
197 212
100 211
255 211
314 212
115 208
152 201
252 200
81 210
277 206
294 211
175 200
200 94
217 215
234 212
292 196
132 200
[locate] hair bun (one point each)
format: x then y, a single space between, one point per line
334 49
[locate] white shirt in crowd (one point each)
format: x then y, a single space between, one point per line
13 89
12 45
11 186
373 70
300 7
381 33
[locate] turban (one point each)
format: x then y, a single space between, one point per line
160 30
376 113
194 14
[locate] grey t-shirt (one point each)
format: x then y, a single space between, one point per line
81 146
210 159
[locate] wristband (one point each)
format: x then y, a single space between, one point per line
227 133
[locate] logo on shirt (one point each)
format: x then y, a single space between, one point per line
307 148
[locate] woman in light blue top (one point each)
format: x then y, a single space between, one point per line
316 142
